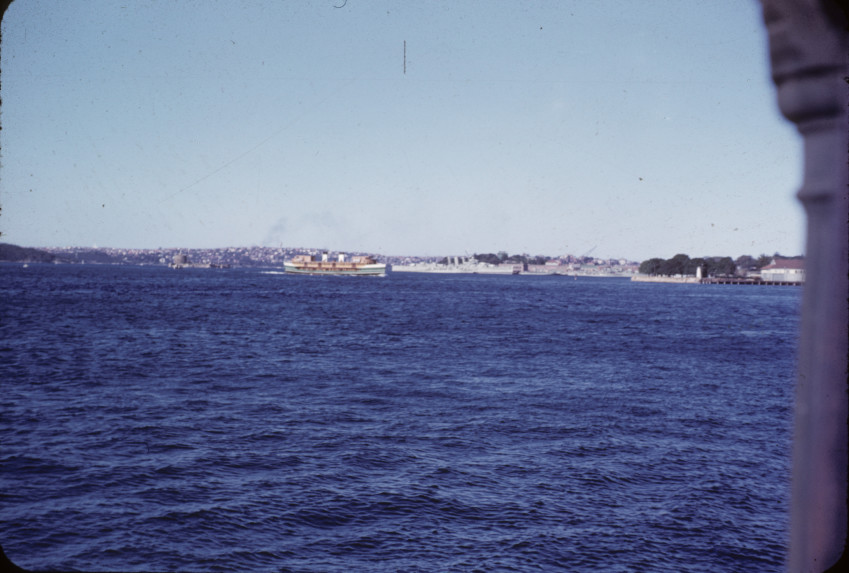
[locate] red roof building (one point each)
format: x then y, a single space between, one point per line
784 271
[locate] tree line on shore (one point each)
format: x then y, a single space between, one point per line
15 253
682 264
505 259
501 258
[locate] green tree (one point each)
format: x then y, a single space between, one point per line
676 265
745 262
763 261
720 266
490 258
683 265
692 265
725 266
651 266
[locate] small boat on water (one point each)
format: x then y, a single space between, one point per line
358 265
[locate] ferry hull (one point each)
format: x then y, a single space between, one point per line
376 269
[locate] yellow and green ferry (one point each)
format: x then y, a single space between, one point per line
358 265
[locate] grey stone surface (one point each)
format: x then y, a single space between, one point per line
809 57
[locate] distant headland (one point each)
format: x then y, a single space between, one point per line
273 257
678 268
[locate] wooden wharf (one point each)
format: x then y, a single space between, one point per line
742 281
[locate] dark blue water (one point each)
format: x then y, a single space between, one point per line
212 420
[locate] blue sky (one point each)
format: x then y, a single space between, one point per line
623 128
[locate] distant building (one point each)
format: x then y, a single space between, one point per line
784 271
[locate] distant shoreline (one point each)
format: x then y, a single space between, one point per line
660 279
275 257
714 281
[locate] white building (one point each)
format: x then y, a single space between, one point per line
784 271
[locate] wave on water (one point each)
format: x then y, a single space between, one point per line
161 420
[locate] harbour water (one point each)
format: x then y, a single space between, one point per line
233 419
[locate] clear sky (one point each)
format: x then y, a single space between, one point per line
623 128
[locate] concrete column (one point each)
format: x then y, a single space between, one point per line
809 53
